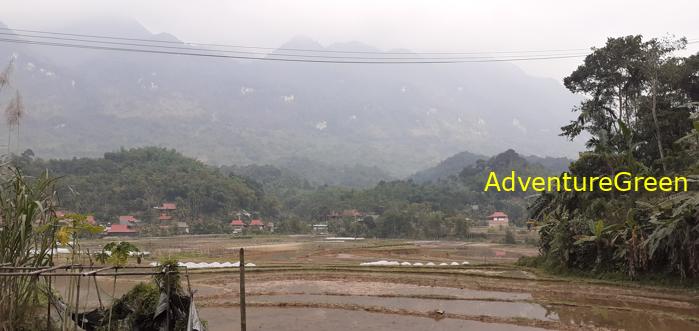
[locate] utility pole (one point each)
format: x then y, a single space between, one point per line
242 290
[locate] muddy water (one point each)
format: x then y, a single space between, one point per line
313 319
622 320
378 289
460 307
473 302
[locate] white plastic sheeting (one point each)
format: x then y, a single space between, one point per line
384 263
58 250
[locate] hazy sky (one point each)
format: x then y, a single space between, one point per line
437 25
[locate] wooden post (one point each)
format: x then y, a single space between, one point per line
48 298
77 302
48 306
242 290
168 325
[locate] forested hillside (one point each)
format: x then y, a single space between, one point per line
136 180
454 164
450 166
405 208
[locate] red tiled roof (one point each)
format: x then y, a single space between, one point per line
90 219
256 222
120 228
497 214
127 218
164 217
237 223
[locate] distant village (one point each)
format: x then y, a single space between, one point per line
129 225
244 222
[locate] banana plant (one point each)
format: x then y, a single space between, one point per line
601 237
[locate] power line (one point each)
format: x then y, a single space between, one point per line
690 41
289 49
204 52
137 50
254 53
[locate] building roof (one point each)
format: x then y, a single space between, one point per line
497 214
127 218
256 222
120 228
61 213
237 223
90 219
164 217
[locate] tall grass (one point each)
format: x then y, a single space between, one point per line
27 232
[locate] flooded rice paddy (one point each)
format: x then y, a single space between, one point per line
307 285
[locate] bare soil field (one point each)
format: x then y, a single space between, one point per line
307 283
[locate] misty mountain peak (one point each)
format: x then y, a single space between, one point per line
164 36
109 26
302 42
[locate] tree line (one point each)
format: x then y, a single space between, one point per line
640 116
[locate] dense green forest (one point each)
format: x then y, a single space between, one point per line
134 181
640 116
402 208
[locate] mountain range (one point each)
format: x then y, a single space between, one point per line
382 120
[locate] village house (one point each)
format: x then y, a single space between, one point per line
498 219
237 225
167 219
121 230
166 210
257 225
